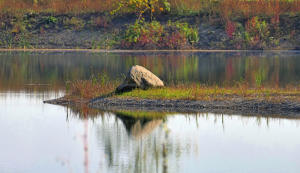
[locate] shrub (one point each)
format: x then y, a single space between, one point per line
258 32
154 35
51 20
175 40
191 34
143 35
254 35
230 29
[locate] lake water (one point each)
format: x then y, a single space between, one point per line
37 137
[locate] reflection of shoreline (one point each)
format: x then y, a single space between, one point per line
223 118
133 142
139 50
269 68
150 51
158 151
240 105
142 126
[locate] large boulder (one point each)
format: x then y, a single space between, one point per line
139 77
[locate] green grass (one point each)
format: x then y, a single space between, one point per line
102 87
208 93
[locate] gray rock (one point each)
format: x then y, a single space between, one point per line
139 77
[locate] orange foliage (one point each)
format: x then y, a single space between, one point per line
258 7
247 8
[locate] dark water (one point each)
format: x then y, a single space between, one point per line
37 137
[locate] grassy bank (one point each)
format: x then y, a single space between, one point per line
154 24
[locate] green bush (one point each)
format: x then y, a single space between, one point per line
255 34
191 34
154 35
51 20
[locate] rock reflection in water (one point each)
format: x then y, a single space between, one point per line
133 144
130 143
138 127
167 143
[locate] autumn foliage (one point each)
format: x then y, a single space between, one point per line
226 8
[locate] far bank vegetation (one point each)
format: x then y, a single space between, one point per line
248 24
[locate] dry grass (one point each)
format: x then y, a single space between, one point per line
57 6
88 89
247 8
226 8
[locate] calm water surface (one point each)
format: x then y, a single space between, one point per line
55 68
37 137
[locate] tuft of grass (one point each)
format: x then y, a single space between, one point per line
88 89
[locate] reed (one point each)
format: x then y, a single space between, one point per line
87 89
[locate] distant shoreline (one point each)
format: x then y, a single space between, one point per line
101 32
143 51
